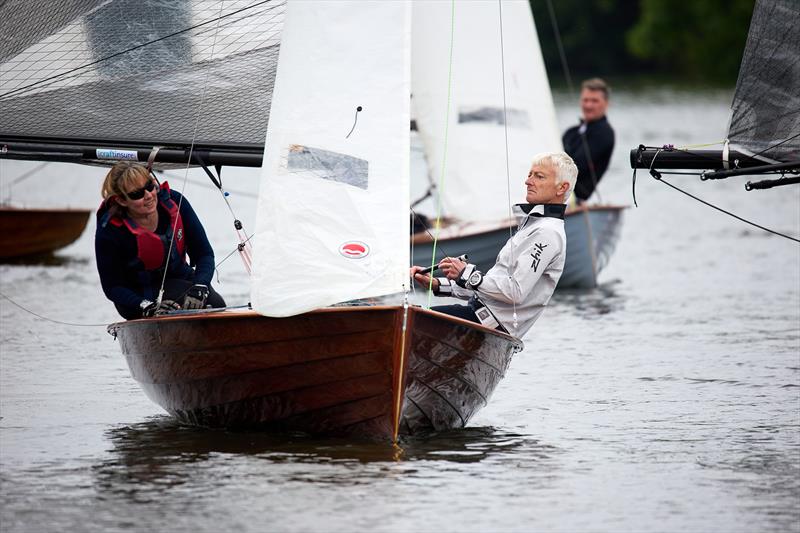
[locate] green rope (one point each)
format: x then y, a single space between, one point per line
444 153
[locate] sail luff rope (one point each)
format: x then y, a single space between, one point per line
505 131
148 43
189 160
444 151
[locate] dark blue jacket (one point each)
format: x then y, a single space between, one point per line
122 275
600 140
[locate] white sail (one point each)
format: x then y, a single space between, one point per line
332 222
475 185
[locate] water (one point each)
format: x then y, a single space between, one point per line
666 400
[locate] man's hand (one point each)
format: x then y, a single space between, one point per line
423 280
452 267
196 297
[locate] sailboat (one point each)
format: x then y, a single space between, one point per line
332 221
502 108
27 232
764 129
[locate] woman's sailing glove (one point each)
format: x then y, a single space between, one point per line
196 297
150 308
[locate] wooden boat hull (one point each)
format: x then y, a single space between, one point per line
346 370
28 232
592 234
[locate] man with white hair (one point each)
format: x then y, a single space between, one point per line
513 293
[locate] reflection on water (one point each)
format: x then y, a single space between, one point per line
161 448
46 259
590 303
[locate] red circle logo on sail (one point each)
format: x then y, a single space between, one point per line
354 249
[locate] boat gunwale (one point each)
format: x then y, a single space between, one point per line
230 314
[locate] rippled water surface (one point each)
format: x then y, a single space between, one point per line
668 399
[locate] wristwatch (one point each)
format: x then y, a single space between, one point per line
474 280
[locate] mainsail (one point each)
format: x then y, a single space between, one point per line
475 185
76 75
332 218
765 116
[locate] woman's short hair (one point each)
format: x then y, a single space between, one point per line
565 168
125 175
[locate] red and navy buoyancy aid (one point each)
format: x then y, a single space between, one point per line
151 247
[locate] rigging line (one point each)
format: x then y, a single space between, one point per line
560 46
505 130
188 162
106 58
28 174
774 146
37 315
214 187
587 153
428 231
728 212
234 251
440 187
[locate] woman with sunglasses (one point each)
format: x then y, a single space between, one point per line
134 246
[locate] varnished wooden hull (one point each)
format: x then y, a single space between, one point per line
348 370
28 232
592 234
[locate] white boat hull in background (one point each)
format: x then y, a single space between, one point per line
592 234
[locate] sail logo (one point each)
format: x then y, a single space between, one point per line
354 249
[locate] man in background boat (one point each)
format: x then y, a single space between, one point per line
514 292
591 142
134 245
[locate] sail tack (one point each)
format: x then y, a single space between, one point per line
332 222
765 116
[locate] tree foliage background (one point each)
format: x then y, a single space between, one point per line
693 41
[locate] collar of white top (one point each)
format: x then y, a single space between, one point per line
540 210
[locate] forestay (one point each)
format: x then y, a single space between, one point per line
475 184
332 221
765 116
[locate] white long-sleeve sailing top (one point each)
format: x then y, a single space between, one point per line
526 272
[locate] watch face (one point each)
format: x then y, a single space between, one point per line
475 278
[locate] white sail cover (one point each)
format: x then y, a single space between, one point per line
332 222
475 184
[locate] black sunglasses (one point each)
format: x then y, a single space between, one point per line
138 194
